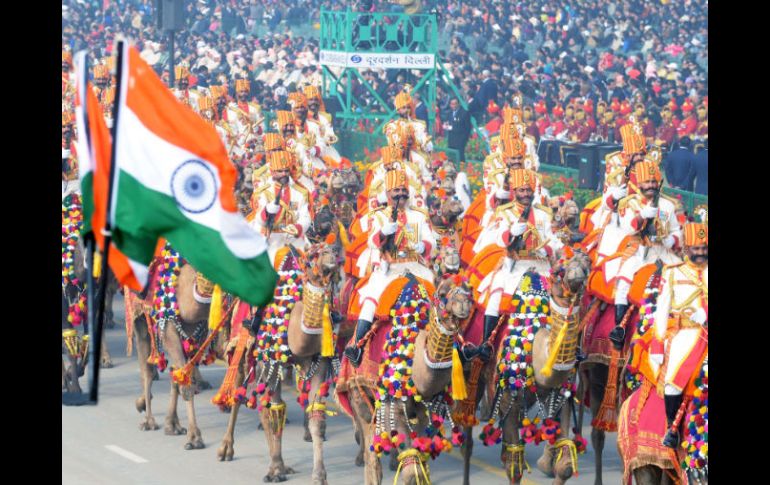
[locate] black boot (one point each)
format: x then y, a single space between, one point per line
618 334
485 349
354 352
672 403
468 352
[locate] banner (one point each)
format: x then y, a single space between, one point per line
362 60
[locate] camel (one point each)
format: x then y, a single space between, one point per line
431 374
305 345
193 317
553 387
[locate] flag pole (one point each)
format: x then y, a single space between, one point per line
96 345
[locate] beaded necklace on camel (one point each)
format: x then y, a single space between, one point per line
395 384
695 443
72 222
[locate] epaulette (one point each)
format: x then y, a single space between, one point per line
262 188
501 208
545 209
677 203
610 155
625 201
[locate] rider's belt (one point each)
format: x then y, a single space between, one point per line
405 259
680 321
528 254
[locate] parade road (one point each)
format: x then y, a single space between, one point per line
103 444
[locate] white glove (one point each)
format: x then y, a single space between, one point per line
648 212
699 316
272 208
382 198
389 228
502 194
518 228
669 241
65 153
429 147
420 247
618 193
657 358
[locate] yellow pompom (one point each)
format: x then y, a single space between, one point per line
459 392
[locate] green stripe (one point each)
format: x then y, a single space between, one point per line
87 191
143 215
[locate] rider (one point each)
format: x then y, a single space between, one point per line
404 238
681 323
317 113
650 219
528 243
281 206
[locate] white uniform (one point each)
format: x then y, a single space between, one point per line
506 279
683 293
294 212
414 230
668 226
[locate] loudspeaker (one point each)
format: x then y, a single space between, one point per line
589 175
170 14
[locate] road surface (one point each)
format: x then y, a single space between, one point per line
103 444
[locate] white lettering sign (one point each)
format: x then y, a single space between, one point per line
377 61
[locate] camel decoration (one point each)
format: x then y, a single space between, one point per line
390 400
536 349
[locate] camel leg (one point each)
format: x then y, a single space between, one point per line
226 450
199 382
598 381
278 470
176 359
649 475
467 451
71 375
361 413
511 437
563 468
144 402
360 441
106 359
317 426
173 345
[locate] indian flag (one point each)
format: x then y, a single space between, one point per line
173 180
94 144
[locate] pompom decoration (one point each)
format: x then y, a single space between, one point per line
272 344
71 224
696 432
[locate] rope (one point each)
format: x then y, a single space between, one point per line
320 407
572 452
517 458
409 457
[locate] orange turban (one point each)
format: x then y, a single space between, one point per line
273 141
205 102
284 118
395 179
633 139
519 177
646 171
297 99
242 85
278 160
696 234
181 72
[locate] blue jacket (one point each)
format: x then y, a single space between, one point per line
701 167
679 169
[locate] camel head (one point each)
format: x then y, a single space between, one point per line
454 298
323 224
448 258
568 213
336 181
570 273
352 182
323 261
444 211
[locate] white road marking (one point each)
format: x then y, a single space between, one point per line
125 454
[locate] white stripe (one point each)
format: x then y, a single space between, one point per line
125 454
85 164
152 161
141 272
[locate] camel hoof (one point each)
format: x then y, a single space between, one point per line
141 404
545 465
204 385
360 460
260 427
308 437
173 428
106 364
196 444
320 480
148 425
225 452
155 374
274 478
